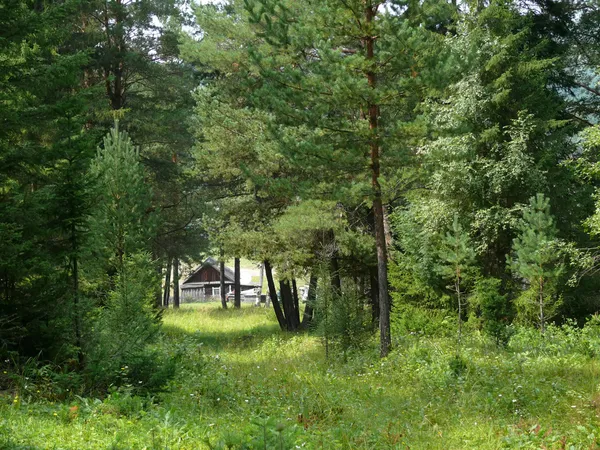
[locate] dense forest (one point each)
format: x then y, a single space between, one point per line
427 168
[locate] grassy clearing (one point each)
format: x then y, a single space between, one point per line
243 384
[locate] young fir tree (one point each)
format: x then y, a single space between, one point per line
46 144
121 226
458 258
536 258
122 221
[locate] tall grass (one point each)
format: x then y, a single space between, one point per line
241 383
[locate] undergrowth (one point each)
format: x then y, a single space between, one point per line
242 384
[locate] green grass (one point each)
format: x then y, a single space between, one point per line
243 384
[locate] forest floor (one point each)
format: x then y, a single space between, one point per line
241 383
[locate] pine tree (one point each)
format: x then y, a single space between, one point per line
331 87
498 134
121 227
122 221
458 258
536 258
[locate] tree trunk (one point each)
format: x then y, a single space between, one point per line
176 283
374 296
167 292
237 299
310 301
159 298
260 289
458 296
336 281
542 318
296 302
287 299
222 282
373 108
77 310
273 296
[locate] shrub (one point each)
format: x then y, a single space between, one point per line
408 319
496 311
343 320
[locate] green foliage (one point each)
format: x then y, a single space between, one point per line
536 259
119 353
342 320
243 383
121 223
495 309
413 320
456 253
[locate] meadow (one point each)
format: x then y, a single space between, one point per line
243 384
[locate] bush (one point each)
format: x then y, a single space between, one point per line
343 320
496 311
408 319
564 340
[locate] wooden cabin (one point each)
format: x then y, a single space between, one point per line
204 283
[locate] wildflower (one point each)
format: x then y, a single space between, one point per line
514 400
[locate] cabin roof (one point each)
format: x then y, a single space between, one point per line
211 262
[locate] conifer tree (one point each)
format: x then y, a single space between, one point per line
121 227
458 259
536 258
122 221
334 85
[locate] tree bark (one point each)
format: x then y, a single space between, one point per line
374 296
310 301
167 292
458 296
273 296
336 280
288 305
260 289
373 114
159 298
237 299
542 318
296 302
176 283
222 282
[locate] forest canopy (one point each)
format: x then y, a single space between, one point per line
404 160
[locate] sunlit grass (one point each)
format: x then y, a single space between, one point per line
244 384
